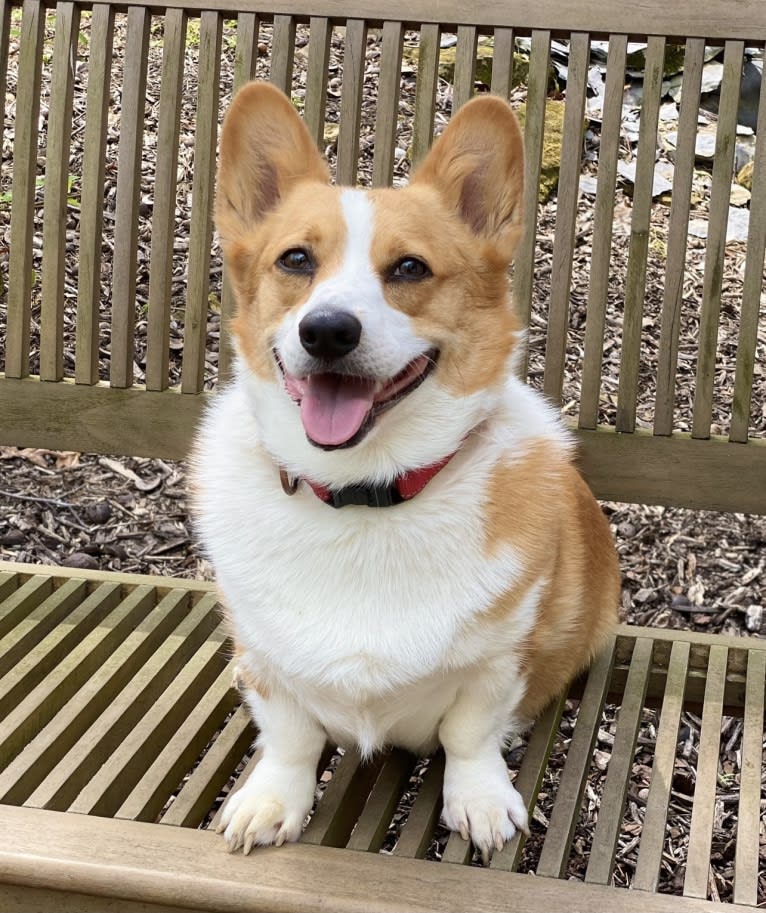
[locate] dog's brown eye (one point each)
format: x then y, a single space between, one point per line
411 268
296 260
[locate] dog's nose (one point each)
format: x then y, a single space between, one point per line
329 333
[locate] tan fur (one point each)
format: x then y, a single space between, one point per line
564 537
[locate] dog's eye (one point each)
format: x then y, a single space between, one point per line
410 268
296 260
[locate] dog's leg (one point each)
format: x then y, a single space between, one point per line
479 799
273 803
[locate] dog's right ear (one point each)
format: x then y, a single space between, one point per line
265 147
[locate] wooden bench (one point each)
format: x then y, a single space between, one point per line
119 728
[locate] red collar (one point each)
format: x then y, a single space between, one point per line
403 488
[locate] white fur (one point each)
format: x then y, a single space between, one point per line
361 622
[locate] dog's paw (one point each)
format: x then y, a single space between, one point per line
270 808
480 803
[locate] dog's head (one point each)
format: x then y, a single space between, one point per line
377 324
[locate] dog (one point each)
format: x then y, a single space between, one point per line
407 553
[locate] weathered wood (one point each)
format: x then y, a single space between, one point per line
20 271
5 34
416 833
703 810
566 215
640 224
749 812
178 754
672 299
22 601
566 807
609 823
751 289
603 221
534 129
57 191
283 52
96 743
320 35
92 198
210 776
387 118
652 842
465 66
370 829
342 800
502 62
203 184
530 778
164 207
351 101
109 858
715 251
425 92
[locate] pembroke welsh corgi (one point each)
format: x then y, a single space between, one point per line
405 550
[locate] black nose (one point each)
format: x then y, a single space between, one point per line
329 333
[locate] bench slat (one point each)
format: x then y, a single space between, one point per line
20 271
416 833
342 801
179 753
320 44
652 842
21 601
203 192
387 117
94 746
603 224
370 829
746 863
425 92
246 54
164 206
208 779
39 622
640 227
530 778
566 216
132 116
715 251
751 289
9 582
283 53
465 66
502 62
92 198
672 298
5 36
534 130
351 101
566 808
609 823
57 191
703 810
63 662
107 789
42 754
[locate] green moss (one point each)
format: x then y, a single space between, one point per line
552 136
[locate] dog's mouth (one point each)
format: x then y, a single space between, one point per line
338 410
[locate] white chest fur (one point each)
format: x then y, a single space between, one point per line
361 613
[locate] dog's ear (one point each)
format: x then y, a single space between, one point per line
265 148
477 164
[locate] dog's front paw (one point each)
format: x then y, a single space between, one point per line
481 803
270 808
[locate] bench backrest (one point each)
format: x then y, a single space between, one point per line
94 193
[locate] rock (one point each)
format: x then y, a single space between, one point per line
745 176
98 513
13 537
81 561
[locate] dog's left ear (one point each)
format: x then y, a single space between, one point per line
477 164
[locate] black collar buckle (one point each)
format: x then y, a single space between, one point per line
366 496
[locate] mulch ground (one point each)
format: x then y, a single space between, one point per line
681 569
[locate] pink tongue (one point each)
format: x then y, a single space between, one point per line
334 407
